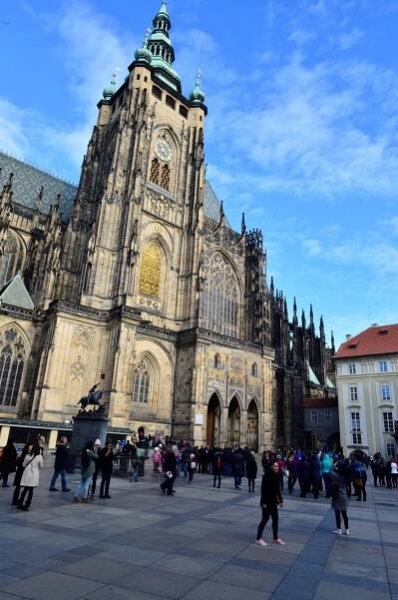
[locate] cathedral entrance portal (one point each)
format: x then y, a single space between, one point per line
213 421
234 423
252 426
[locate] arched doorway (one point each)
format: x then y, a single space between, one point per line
234 423
252 426
213 421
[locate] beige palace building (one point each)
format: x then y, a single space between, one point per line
367 388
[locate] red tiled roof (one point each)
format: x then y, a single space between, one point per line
320 402
373 341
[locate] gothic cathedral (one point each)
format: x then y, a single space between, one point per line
137 281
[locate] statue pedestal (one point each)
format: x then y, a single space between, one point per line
87 427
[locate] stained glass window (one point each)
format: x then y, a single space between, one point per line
141 384
150 270
12 356
165 178
155 171
219 303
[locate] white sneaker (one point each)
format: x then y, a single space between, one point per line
261 542
280 542
337 531
347 532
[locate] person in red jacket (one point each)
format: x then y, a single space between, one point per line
271 498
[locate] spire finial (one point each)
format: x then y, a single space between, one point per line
111 89
243 226
197 95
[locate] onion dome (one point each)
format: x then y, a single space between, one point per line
111 88
197 95
143 54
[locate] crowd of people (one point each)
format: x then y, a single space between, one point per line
316 472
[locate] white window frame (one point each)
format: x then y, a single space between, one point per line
314 413
356 431
352 369
385 392
353 389
383 366
388 421
391 446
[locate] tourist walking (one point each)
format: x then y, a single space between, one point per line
106 457
60 465
291 466
89 460
326 467
192 466
8 463
394 473
360 478
218 466
304 476
237 468
316 476
27 449
338 479
30 476
271 498
251 471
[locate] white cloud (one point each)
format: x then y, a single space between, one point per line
351 38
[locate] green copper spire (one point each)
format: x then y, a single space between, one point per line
111 89
161 48
143 54
197 95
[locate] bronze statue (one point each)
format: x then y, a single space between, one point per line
93 398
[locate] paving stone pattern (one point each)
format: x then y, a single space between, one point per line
196 545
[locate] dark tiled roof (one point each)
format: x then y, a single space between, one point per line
211 204
373 341
27 182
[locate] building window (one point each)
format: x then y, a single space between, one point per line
11 258
314 417
388 422
157 92
390 447
356 428
165 178
155 171
254 370
352 369
141 384
383 366
328 416
385 392
171 102
87 278
150 270
219 302
353 393
217 361
12 356
183 112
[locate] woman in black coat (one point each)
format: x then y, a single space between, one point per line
271 498
251 471
106 457
8 462
20 469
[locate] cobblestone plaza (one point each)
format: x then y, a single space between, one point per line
198 544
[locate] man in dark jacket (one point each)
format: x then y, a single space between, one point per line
8 463
60 465
169 469
238 468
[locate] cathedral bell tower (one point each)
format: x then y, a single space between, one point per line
133 238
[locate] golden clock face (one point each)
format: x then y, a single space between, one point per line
163 150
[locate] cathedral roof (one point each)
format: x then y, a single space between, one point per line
212 205
14 293
27 182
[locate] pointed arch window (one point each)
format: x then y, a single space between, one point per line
217 361
254 370
141 383
12 258
151 266
12 358
155 171
87 278
165 178
219 302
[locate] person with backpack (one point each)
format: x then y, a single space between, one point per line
218 466
89 461
192 466
33 461
338 479
27 449
106 466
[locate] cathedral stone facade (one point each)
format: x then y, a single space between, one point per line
136 280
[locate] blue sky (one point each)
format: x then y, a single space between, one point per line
302 129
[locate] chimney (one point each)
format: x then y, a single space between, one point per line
347 336
375 324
